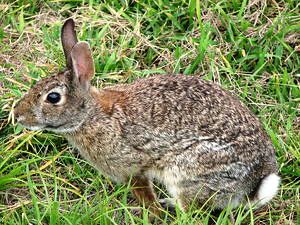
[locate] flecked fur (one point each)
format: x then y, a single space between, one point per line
187 133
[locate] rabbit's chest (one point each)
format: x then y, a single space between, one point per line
99 155
111 158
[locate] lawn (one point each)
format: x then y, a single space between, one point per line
250 48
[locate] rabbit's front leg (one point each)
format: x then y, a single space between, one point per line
144 193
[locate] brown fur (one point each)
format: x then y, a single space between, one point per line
108 99
143 191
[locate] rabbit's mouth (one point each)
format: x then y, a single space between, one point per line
36 126
54 127
63 128
32 127
58 129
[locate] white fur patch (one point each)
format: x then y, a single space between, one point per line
20 119
170 177
33 128
268 189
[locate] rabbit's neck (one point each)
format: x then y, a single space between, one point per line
97 141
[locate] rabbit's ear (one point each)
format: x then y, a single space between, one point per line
68 39
83 65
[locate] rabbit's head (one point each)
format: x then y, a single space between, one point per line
60 103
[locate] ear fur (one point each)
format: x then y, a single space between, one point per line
83 65
68 39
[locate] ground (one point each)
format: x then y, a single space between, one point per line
250 48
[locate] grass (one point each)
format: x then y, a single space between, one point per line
249 47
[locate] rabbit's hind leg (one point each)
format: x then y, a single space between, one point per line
143 191
169 204
194 195
204 197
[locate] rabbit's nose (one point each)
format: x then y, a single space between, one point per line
17 114
20 119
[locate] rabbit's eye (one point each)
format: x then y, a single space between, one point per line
53 97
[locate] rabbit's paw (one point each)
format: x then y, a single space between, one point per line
169 204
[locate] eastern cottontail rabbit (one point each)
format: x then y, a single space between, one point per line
189 134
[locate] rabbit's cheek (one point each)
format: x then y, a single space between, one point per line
49 114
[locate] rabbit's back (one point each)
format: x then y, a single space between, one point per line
181 110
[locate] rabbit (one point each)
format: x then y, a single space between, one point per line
189 134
